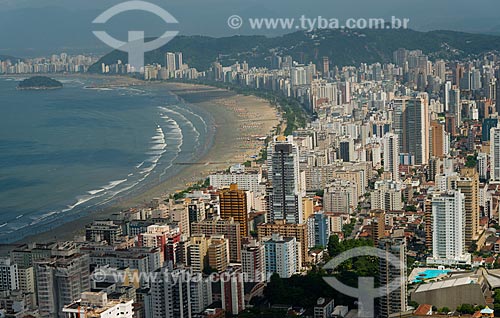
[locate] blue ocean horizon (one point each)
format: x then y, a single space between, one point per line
65 153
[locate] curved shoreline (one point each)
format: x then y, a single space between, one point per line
237 118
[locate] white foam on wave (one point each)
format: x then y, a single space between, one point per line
156 152
193 114
176 130
93 192
149 169
130 89
154 159
139 165
38 219
158 139
146 167
158 146
157 149
184 119
81 200
104 89
113 184
174 134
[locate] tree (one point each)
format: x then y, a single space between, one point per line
411 208
334 246
348 228
466 309
471 161
444 310
413 304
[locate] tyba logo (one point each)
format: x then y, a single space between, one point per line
136 45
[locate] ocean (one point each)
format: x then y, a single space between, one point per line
64 153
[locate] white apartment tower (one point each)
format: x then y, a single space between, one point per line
391 155
9 276
282 255
448 229
170 294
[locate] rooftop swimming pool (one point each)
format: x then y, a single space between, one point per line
430 273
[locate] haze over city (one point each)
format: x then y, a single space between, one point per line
37 26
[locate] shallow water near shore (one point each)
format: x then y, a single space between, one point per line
66 152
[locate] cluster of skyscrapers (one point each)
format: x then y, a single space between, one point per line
406 154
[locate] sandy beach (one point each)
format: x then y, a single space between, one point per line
239 122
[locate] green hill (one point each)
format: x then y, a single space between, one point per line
342 47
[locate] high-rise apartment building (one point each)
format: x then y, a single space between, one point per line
393 301
285 193
378 225
416 130
387 196
104 230
60 280
398 110
178 60
163 236
391 155
246 180
346 149
232 291
170 294
495 154
228 227
468 184
298 231
482 165
9 275
233 204
320 229
437 140
218 253
198 252
196 211
281 255
326 67
448 226
252 261
340 196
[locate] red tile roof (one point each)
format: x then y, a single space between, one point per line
422 310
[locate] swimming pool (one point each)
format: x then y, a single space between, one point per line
430 273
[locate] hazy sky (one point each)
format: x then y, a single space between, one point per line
47 24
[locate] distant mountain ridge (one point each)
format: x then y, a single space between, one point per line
342 47
8 57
